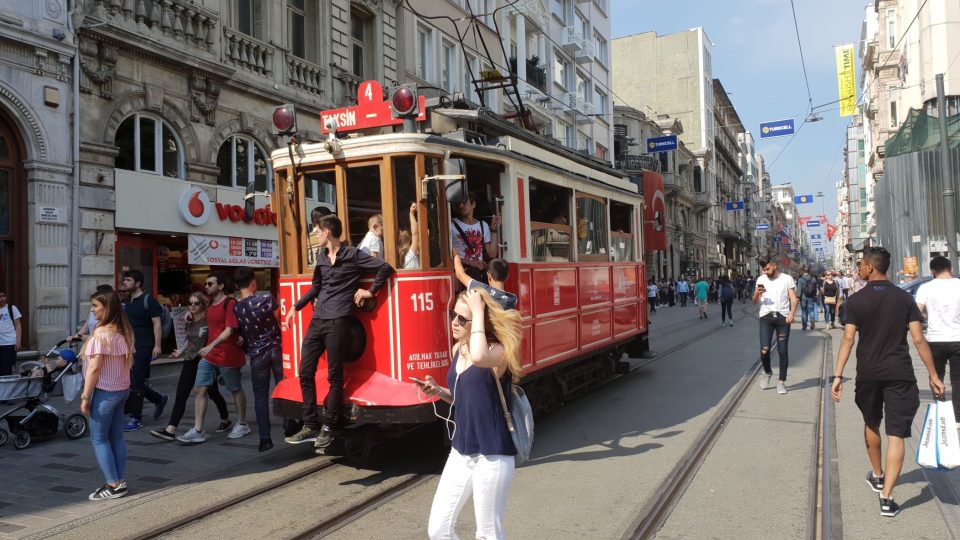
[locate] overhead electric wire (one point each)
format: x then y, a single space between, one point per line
863 92
803 63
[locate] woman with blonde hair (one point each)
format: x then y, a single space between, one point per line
108 356
196 339
481 463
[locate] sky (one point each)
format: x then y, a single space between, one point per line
756 57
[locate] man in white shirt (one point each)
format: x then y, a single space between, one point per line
939 302
683 289
10 335
777 295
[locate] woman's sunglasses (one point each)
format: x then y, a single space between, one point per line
198 304
461 320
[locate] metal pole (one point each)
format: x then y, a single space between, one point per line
949 204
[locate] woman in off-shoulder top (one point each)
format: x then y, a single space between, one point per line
108 357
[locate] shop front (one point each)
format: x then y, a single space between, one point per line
177 232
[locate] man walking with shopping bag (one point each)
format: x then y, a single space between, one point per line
882 312
939 301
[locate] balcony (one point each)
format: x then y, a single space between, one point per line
702 200
536 75
534 11
247 53
630 163
304 75
177 25
570 39
585 54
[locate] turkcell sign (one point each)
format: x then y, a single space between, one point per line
813 223
763 226
662 144
777 128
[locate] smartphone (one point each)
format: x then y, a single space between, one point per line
419 381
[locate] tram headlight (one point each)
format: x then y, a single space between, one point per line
285 119
404 101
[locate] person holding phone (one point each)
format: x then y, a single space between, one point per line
481 462
777 295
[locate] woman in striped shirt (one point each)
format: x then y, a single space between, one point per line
108 356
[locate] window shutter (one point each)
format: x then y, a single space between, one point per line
258 19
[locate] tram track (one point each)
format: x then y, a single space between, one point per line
671 490
314 474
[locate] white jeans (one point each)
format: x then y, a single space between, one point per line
487 478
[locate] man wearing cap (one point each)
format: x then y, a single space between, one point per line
335 279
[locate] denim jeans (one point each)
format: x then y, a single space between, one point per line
262 365
485 478
726 310
106 433
809 313
770 324
683 299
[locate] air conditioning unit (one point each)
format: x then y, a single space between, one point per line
571 39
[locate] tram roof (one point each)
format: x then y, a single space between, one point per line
513 143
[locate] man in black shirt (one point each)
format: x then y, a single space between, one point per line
335 283
882 312
143 311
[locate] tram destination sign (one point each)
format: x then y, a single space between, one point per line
371 111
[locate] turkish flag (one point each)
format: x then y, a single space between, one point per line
654 214
823 219
803 221
831 230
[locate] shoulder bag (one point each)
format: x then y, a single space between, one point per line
522 431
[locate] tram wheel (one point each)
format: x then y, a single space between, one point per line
3 437
358 446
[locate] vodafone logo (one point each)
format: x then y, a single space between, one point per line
195 206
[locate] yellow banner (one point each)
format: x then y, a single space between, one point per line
846 79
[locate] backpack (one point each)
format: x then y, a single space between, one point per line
810 288
726 293
166 320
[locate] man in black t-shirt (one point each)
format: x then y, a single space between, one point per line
882 313
143 311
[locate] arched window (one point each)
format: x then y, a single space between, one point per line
148 144
240 160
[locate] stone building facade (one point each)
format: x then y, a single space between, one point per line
37 188
178 95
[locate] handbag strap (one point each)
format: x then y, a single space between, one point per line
503 401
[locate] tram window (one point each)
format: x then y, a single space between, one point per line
364 200
320 191
408 232
434 214
591 228
550 222
621 232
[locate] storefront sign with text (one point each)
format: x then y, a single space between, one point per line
232 251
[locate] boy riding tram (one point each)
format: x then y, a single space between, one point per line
567 225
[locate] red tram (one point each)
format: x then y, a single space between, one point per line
570 233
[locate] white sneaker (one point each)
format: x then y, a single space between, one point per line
731 323
192 437
781 388
239 430
765 381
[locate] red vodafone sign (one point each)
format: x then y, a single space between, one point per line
196 209
371 110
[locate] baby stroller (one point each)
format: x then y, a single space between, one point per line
31 387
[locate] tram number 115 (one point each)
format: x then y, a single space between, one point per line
422 301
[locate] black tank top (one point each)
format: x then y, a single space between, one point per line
481 428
